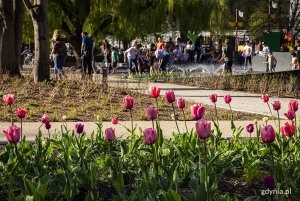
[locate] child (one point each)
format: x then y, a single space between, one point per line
115 59
271 61
185 56
295 62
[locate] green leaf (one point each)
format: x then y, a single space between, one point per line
171 195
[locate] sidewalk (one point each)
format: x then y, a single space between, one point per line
30 129
241 101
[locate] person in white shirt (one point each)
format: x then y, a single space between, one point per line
247 53
164 56
130 57
265 51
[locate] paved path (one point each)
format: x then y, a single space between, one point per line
30 128
241 101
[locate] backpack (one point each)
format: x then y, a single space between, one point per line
60 49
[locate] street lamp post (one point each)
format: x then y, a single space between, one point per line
271 5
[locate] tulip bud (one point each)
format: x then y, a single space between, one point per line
110 134
64 118
265 97
21 113
128 102
9 99
13 134
152 113
47 125
267 134
45 119
98 118
79 128
269 182
203 129
166 152
255 121
170 96
265 119
293 105
197 111
181 103
149 136
213 98
154 91
250 128
227 99
287 129
276 105
290 114
114 121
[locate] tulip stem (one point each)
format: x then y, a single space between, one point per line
205 160
175 118
216 113
152 123
295 125
185 121
11 115
273 163
278 122
49 133
21 130
157 108
271 113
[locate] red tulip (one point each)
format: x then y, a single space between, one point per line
21 113
47 125
197 111
213 98
149 136
9 99
227 99
13 134
265 97
152 113
267 134
293 105
110 134
45 119
250 128
203 129
79 128
288 129
154 91
290 114
128 102
181 103
276 105
114 121
170 96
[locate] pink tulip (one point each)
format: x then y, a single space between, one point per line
9 99
203 129
197 111
213 98
267 134
21 113
265 97
13 134
154 91
227 99
288 129
45 119
47 125
276 105
170 96
110 134
293 105
79 128
149 136
152 113
290 114
114 121
181 103
250 128
128 102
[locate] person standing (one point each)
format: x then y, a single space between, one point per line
265 52
86 53
58 53
297 49
164 56
130 58
107 53
295 62
190 47
227 56
160 44
248 54
115 59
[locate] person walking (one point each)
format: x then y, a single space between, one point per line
248 54
58 53
86 53
227 56
130 58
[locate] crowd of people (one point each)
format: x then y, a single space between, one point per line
155 57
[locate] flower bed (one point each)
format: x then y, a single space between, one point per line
195 164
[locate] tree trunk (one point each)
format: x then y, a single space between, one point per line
39 15
8 62
19 19
75 42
